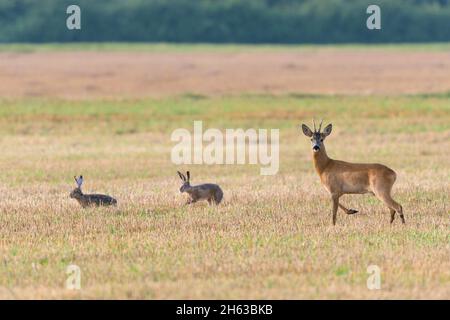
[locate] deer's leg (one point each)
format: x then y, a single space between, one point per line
392 211
401 214
335 199
392 204
347 211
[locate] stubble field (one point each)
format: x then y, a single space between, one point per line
272 237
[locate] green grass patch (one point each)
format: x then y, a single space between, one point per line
211 48
404 114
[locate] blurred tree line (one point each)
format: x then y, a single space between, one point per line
220 21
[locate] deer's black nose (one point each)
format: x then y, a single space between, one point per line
316 148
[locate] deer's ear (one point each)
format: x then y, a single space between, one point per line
307 131
327 130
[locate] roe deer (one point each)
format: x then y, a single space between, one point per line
340 177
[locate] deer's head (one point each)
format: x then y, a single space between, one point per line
316 136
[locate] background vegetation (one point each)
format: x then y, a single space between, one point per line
225 21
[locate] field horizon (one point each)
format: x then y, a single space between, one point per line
141 71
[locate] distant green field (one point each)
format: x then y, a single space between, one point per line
202 48
245 111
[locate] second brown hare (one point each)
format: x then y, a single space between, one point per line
87 200
208 191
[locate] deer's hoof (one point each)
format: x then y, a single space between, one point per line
352 211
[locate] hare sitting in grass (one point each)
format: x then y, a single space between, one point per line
86 200
208 191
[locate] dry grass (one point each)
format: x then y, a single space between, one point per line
271 238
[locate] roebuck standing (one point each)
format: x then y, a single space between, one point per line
341 177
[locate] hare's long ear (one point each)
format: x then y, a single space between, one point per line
182 177
188 175
79 181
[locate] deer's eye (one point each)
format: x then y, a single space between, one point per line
312 140
321 140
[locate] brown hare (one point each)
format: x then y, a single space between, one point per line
86 200
208 191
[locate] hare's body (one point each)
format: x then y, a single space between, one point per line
88 200
208 191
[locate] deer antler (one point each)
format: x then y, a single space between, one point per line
320 126
314 123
